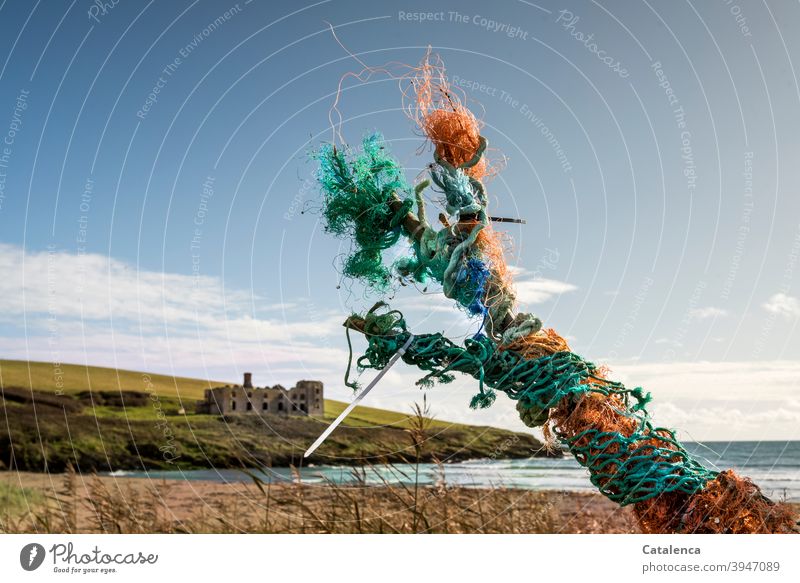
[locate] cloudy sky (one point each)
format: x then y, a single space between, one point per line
158 210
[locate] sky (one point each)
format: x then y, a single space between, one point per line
159 211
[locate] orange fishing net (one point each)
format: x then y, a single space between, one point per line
439 111
729 504
537 345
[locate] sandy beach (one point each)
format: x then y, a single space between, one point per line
89 503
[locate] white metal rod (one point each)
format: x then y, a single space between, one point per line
395 357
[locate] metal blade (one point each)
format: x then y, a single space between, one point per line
358 398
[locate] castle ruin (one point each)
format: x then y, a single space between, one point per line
305 398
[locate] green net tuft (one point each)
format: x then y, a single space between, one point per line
357 189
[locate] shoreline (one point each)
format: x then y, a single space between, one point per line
91 503
100 431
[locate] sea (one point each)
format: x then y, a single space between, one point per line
773 465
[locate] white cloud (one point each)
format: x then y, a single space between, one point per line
733 416
98 310
708 312
734 381
721 400
538 291
783 305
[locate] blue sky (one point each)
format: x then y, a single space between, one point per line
158 210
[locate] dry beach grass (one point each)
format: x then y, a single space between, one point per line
71 503
74 503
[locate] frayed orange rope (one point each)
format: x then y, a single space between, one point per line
439 111
735 505
543 343
431 103
729 504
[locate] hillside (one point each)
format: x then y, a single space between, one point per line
73 378
131 420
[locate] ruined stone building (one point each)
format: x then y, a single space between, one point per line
305 398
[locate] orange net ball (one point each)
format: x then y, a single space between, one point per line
439 111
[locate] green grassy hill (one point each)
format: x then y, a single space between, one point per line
72 379
106 419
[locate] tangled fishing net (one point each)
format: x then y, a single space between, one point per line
605 425
439 112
